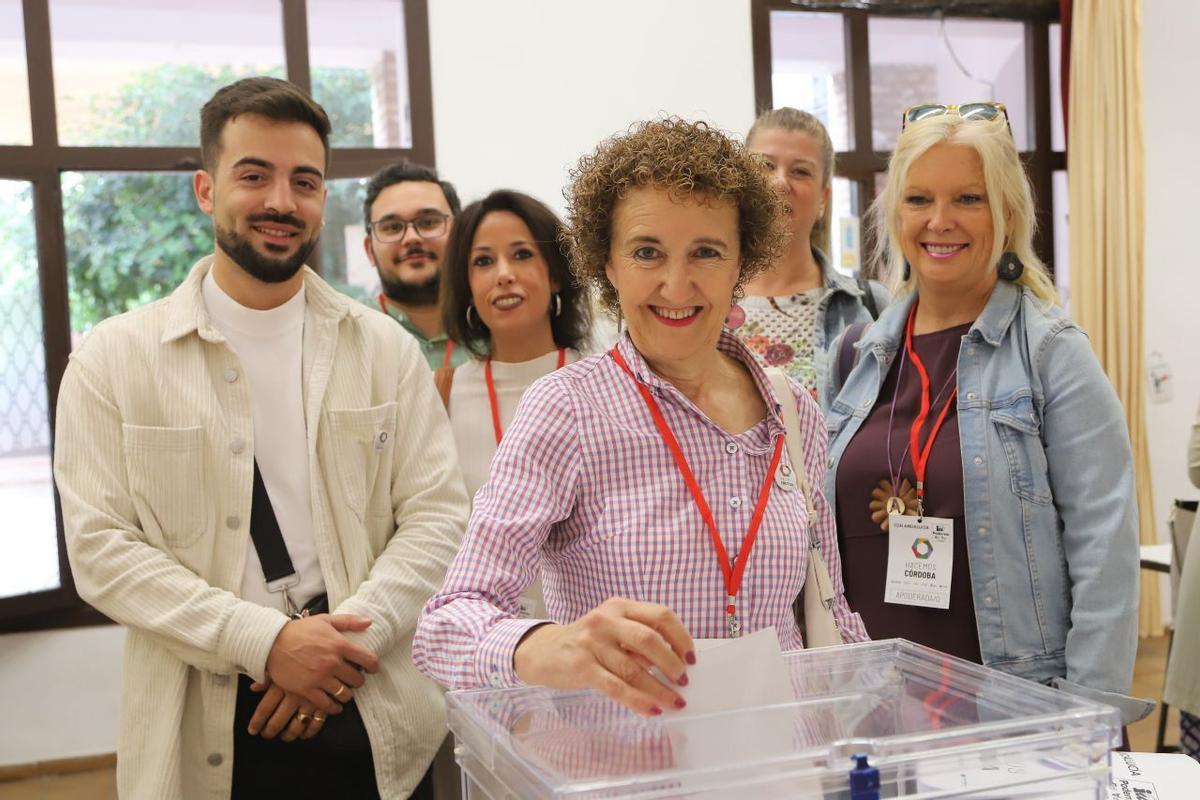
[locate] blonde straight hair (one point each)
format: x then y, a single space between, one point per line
793 119
1009 197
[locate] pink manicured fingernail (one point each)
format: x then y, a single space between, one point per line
655 710
690 657
680 702
682 680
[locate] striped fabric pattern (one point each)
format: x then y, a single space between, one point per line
583 486
1189 734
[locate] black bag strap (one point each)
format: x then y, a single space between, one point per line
268 539
847 355
868 297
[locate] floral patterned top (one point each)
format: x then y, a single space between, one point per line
781 331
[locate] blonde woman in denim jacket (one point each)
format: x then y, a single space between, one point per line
1031 460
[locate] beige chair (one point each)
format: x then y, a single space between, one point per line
1182 685
1181 521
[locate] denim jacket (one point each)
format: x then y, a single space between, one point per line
841 307
1051 513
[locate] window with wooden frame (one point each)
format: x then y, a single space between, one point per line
99 135
857 70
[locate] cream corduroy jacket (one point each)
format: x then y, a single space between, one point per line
153 458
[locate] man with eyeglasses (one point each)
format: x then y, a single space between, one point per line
408 211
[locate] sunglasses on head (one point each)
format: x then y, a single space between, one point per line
983 110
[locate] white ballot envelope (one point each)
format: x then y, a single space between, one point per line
730 677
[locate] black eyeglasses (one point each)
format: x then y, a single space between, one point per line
392 229
985 110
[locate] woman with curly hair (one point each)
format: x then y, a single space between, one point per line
650 482
793 311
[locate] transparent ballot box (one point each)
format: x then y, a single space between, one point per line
924 725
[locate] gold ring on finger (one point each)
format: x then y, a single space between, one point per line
341 689
318 717
303 717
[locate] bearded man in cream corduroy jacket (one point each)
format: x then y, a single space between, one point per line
166 413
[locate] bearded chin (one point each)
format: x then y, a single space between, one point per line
424 293
258 265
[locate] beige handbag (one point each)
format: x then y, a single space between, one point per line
816 619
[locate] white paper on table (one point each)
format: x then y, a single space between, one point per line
745 674
987 777
1153 776
1134 776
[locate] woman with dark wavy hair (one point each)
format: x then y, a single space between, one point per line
508 298
651 482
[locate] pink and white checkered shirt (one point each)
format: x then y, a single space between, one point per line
583 485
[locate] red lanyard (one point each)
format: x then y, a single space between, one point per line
732 572
919 455
449 343
491 387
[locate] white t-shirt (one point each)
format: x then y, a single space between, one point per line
470 411
270 346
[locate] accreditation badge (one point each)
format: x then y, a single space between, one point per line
785 476
920 561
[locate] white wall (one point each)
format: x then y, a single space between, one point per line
1171 61
521 90
60 693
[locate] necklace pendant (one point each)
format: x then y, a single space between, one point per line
895 505
733 627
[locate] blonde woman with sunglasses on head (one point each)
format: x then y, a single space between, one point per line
979 462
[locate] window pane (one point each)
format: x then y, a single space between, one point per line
1062 245
14 76
344 262
945 61
359 68
808 69
137 73
1058 136
28 537
845 239
131 238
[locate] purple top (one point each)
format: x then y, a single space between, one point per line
865 463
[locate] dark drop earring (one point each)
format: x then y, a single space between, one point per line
1010 266
907 270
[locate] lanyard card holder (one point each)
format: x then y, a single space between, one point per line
278 571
